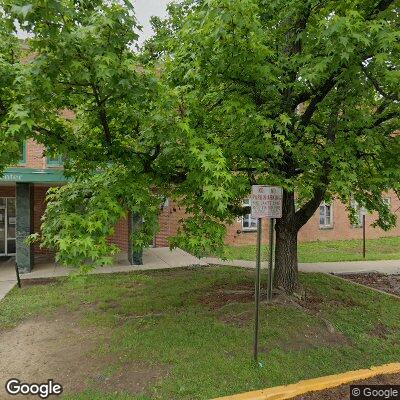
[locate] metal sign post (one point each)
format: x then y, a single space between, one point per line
364 250
266 202
271 257
257 289
363 213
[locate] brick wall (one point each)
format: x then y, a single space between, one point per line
341 227
34 155
169 221
120 237
172 214
7 191
39 205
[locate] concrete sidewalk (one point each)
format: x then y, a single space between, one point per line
153 259
343 267
163 258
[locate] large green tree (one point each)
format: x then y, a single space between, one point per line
228 93
10 57
298 93
83 92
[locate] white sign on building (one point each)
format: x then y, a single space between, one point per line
266 201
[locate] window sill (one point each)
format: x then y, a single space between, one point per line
325 228
249 230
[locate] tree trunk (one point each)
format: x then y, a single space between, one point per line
286 265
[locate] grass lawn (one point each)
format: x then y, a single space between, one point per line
339 250
191 330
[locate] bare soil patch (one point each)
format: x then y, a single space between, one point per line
40 281
324 334
386 283
380 331
63 349
240 320
221 296
343 392
311 338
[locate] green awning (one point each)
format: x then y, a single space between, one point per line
32 175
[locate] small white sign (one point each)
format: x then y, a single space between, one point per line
266 201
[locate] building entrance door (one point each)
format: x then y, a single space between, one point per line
7 226
2 226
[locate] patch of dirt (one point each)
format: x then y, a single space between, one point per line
380 331
386 283
110 305
311 338
40 281
221 296
133 378
315 301
239 320
62 349
316 336
343 392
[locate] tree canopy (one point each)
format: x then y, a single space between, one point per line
227 94
9 71
85 94
300 94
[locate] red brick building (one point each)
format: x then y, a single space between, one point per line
22 203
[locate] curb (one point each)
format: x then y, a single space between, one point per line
313 385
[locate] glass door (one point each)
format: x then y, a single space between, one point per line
11 217
8 222
2 226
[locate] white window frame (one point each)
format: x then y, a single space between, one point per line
252 222
356 206
388 202
326 225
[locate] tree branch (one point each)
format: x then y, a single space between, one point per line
377 86
102 114
323 92
383 5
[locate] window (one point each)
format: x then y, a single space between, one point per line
359 211
325 215
22 160
248 223
54 160
387 201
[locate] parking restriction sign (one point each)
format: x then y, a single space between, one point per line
266 201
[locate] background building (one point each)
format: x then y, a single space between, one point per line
22 203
